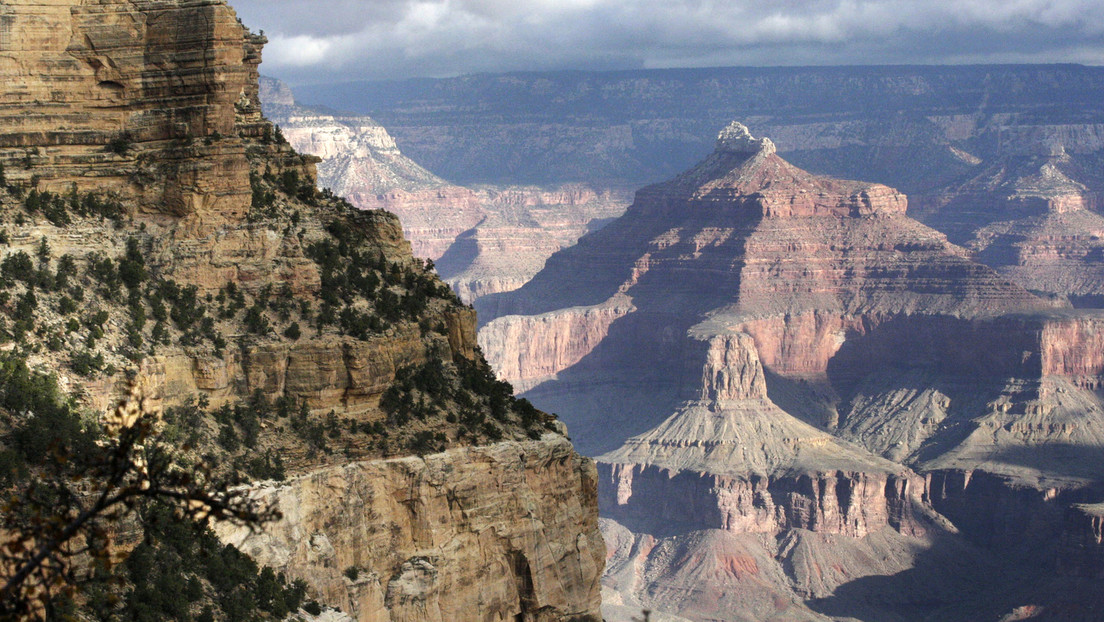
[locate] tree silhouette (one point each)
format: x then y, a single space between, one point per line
58 530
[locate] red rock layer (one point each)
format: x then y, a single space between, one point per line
655 500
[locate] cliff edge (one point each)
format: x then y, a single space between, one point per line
289 336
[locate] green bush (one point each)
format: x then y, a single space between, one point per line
18 267
292 332
120 144
132 268
86 364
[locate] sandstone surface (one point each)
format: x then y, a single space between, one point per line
499 532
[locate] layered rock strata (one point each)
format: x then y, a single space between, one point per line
133 143
791 352
115 96
1032 216
499 532
484 240
1005 160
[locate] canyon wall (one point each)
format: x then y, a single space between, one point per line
1003 159
803 363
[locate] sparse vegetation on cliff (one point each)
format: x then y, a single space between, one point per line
271 316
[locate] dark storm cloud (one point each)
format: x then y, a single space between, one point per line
354 39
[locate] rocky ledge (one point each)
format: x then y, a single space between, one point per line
507 530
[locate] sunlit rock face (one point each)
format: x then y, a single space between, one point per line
154 106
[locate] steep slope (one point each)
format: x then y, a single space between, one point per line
756 350
177 239
484 240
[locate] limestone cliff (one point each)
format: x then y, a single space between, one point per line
177 237
499 532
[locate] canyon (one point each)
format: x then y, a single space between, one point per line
1004 159
805 404
134 152
809 398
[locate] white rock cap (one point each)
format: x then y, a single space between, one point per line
737 139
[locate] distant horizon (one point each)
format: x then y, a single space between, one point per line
371 40
474 74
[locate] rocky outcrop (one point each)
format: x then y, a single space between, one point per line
327 373
131 88
508 531
206 263
534 349
651 499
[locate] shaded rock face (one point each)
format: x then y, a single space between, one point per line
649 499
1033 216
501 532
789 354
484 240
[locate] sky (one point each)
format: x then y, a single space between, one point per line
343 40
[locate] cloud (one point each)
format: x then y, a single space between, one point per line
368 39
299 50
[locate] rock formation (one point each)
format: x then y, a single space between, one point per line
1033 216
500 532
484 240
137 167
788 378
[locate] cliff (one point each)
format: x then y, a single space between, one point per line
500 531
179 239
